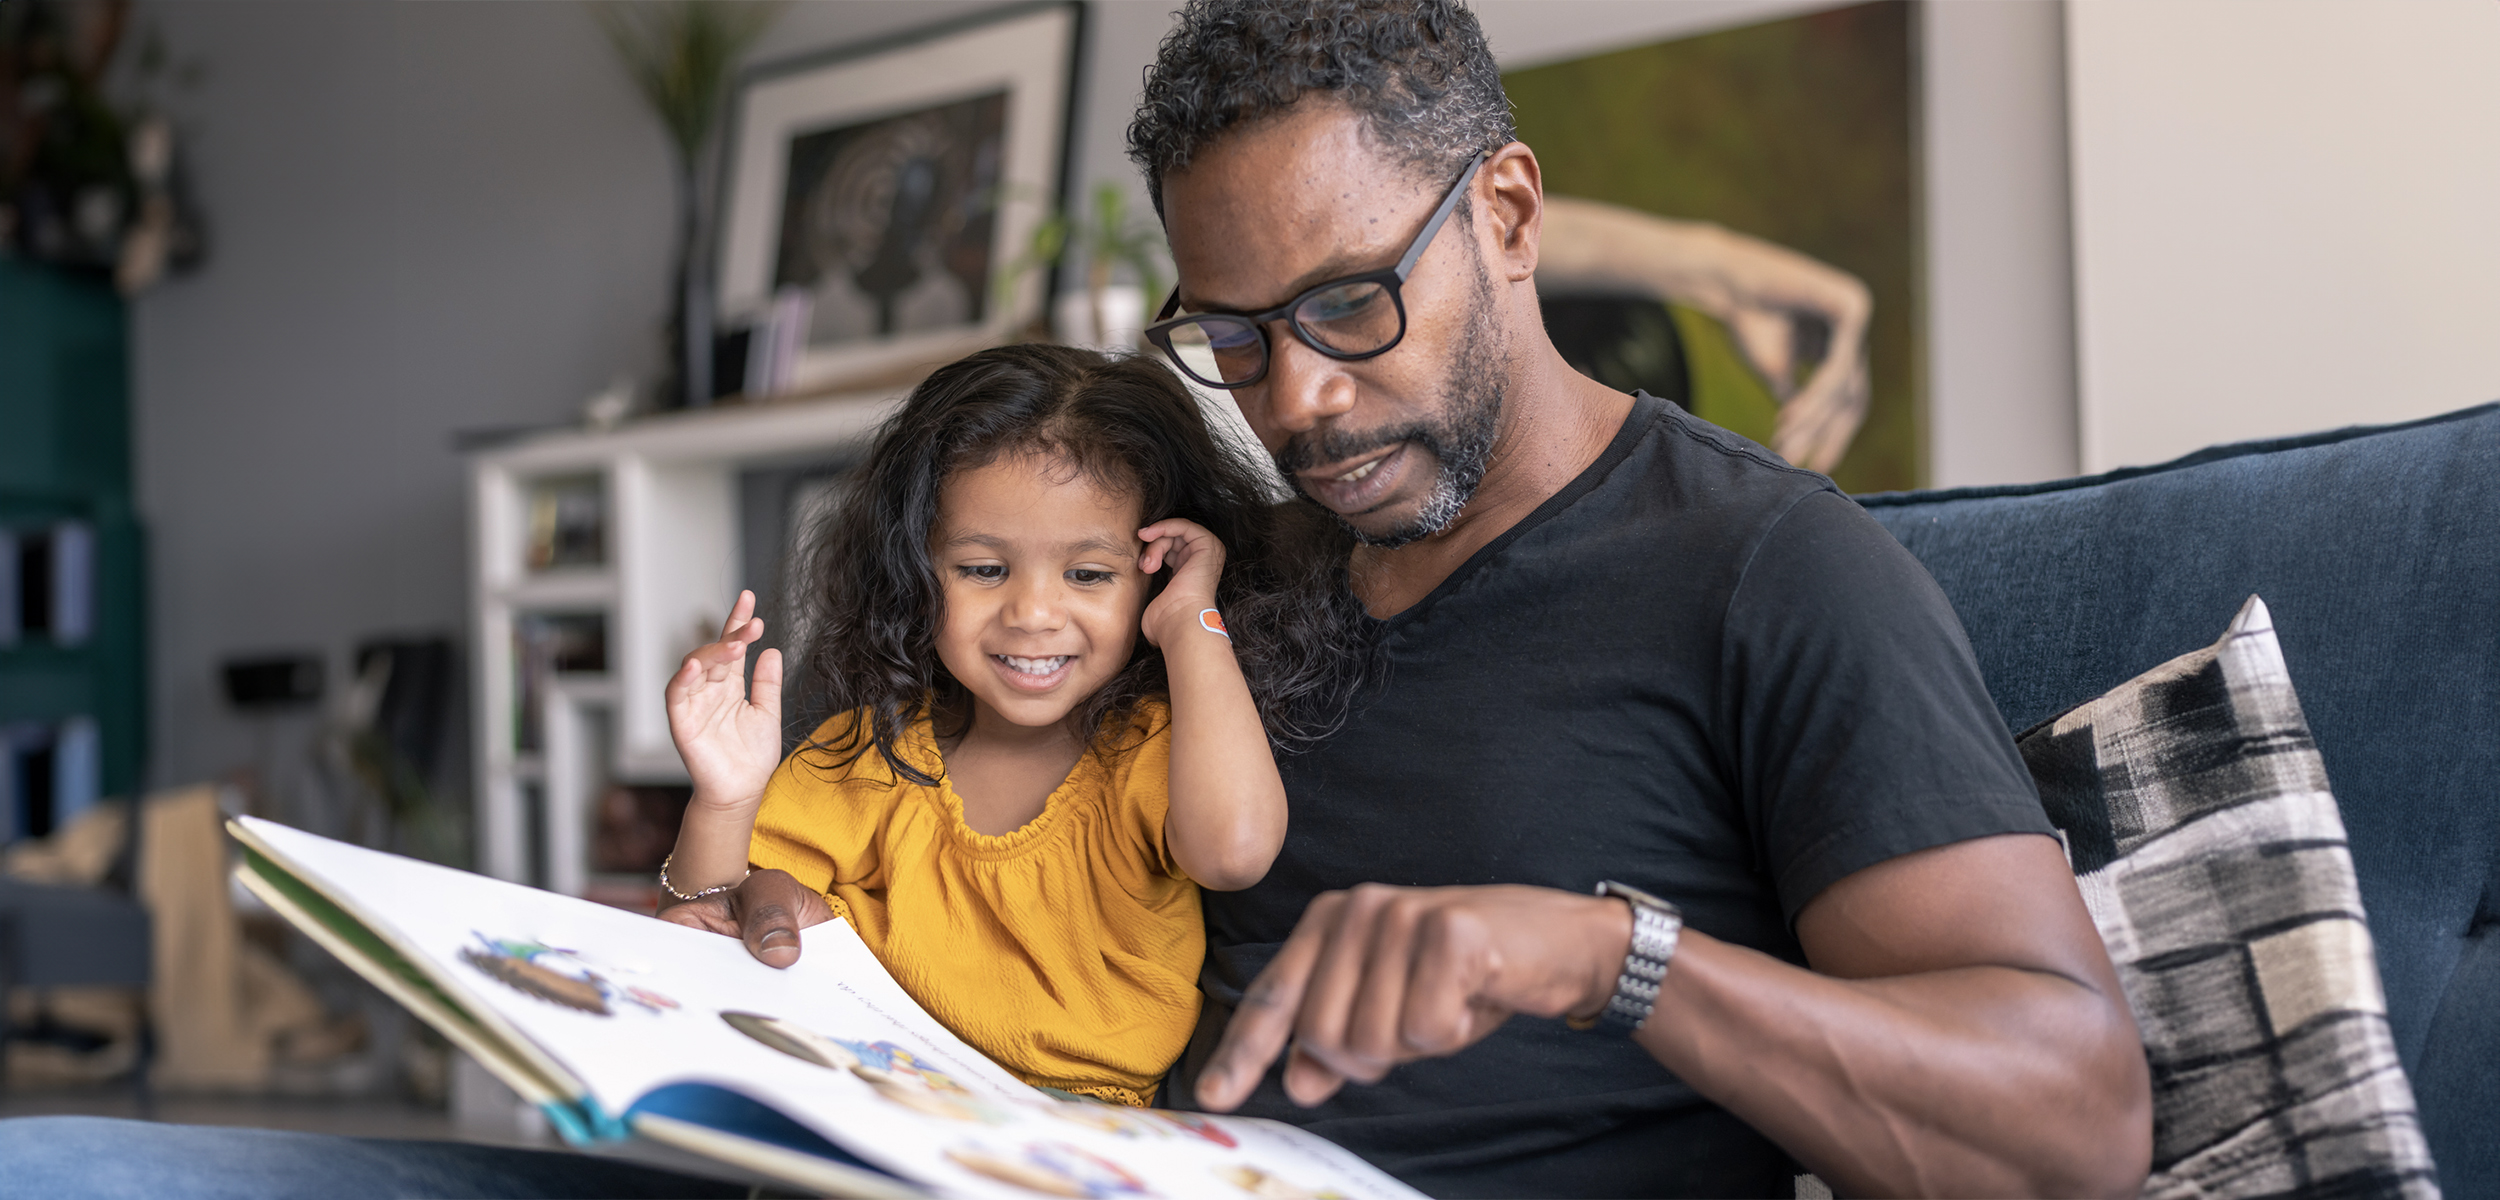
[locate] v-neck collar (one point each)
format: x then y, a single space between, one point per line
1645 410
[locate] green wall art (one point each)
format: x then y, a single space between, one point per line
1733 224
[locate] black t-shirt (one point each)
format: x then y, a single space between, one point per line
1695 670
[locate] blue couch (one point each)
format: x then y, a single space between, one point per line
2378 551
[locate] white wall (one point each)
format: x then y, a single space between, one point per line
2000 285
2287 216
423 218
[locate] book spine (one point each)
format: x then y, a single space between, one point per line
73 583
12 620
585 1123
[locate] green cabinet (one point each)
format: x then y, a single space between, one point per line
73 618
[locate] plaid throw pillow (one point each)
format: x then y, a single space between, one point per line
2197 816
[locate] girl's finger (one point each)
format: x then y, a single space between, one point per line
738 614
768 682
1176 529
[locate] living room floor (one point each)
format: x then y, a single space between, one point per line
351 1118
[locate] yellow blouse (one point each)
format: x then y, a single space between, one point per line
1067 950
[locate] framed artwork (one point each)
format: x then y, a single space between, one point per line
880 190
1733 224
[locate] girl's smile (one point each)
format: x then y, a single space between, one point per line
1034 674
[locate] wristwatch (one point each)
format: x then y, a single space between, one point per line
1656 925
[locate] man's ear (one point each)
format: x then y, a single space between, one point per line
1511 192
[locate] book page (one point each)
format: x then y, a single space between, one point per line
627 1004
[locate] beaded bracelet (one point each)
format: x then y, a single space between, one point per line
671 888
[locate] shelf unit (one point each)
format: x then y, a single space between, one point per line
675 493
73 690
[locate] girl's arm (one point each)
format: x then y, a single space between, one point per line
1227 815
730 744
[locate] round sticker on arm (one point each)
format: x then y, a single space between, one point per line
1213 622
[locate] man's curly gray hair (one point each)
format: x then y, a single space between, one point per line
1417 72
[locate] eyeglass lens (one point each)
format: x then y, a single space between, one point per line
1352 319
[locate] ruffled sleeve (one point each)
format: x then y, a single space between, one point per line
821 817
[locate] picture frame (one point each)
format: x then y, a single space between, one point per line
886 186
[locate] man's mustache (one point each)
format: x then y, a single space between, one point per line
1309 450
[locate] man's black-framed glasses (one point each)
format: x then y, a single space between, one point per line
1357 317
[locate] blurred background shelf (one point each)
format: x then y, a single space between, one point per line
598 560
73 663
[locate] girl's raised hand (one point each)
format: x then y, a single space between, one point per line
1197 561
730 741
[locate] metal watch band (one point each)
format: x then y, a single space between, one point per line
1656 925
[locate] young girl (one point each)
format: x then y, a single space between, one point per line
1051 698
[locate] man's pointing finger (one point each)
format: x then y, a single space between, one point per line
1260 1027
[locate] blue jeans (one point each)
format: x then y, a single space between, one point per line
100 1157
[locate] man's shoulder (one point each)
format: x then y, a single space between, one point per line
1735 469
1689 482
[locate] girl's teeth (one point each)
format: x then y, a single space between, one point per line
1359 472
1034 666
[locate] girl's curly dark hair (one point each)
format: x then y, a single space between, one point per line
868 608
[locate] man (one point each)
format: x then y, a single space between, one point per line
1621 646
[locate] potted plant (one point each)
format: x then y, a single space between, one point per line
1121 255
681 54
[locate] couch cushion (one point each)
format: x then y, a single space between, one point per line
2208 848
2378 551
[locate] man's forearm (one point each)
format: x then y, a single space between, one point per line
1978 1080
1962 1030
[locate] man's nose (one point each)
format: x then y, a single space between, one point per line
1304 387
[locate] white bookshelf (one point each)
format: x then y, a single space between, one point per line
669 573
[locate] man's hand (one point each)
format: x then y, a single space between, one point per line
766 912
1382 975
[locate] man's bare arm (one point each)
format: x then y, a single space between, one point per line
1963 1032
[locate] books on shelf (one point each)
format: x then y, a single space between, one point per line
757 358
546 645
50 772
47 584
568 523
825 1076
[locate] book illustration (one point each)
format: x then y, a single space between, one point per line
1118 1120
1197 1124
892 1071
558 977
1052 1169
1267 1185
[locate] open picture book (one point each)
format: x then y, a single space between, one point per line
825 1076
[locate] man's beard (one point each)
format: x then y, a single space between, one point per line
1459 438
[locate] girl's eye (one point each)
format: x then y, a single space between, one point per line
1089 577
985 572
